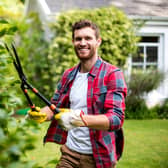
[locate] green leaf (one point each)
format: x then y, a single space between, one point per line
12 30
3 32
3 21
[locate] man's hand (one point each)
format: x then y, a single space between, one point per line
69 118
37 115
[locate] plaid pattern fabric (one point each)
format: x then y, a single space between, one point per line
106 95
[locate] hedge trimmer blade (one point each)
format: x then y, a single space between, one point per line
24 84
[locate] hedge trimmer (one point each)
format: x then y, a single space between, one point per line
24 83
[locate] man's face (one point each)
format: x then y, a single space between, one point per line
85 43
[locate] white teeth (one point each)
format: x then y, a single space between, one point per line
83 49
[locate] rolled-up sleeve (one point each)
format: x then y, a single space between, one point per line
114 104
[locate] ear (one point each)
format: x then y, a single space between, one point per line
99 40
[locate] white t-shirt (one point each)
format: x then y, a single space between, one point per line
78 139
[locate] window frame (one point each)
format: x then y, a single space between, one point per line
144 64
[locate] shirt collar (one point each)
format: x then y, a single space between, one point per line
73 73
94 70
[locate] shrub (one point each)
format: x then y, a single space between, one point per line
162 110
11 146
137 109
139 85
16 135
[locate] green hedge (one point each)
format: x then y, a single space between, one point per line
16 134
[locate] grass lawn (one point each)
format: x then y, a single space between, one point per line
146 145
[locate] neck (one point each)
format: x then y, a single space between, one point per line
86 65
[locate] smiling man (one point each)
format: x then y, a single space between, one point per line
86 42
93 93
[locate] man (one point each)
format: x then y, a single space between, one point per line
93 93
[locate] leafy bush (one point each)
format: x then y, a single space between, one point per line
137 109
118 38
139 85
162 110
16 134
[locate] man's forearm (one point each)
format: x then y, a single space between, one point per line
99 122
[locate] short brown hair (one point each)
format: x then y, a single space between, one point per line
85 23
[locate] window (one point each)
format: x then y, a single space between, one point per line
148 53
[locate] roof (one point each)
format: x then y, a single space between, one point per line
158 8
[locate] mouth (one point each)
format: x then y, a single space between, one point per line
83 50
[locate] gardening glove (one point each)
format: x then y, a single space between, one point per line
37 115
69 118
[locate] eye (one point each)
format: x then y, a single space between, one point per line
88 38
78 39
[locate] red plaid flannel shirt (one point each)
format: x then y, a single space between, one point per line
106 95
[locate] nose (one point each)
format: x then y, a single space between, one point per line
83 41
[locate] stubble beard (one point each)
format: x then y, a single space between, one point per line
85 57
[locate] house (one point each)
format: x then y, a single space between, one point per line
154 33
